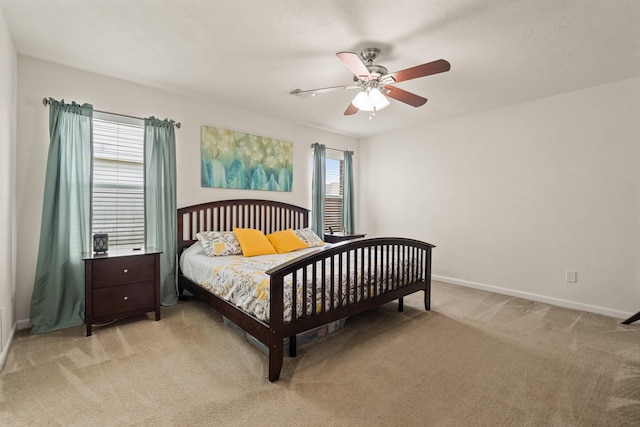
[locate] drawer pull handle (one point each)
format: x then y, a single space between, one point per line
126 271
126 298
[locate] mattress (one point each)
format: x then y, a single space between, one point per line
239 280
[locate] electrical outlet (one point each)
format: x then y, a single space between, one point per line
571 276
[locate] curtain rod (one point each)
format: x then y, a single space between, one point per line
329 148
45 102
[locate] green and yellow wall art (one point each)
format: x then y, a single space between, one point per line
231 159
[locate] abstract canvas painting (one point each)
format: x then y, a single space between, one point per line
231 159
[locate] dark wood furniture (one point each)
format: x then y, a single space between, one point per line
632 319
341 237
121 283
387 281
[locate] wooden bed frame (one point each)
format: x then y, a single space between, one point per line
384 255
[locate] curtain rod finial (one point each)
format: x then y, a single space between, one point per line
45 101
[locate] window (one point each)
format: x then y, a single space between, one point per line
118 179
333 190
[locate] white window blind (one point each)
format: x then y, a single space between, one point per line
118 179
333 190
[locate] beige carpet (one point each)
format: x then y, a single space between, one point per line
477 359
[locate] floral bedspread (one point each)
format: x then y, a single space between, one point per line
243 281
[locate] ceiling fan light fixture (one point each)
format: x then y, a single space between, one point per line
370 99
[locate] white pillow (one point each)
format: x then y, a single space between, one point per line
309 236
219 243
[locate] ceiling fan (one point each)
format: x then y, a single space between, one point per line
375 82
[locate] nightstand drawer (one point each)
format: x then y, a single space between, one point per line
115 300
123 270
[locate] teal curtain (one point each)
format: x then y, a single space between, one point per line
160 200
57 301
318 188
348 213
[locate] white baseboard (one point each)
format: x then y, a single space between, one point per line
5 350
535 297
23 324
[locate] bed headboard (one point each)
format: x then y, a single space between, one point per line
265 215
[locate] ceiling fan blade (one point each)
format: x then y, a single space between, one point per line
404 96
435 67
312 92
357 67
351 109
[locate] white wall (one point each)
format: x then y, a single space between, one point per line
8 80
38 79
515 196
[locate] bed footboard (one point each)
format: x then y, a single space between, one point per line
341 281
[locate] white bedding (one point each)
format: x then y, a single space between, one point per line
243 281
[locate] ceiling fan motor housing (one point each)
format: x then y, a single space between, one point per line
369 55
377 70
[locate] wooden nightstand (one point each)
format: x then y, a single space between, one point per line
121 283
341 237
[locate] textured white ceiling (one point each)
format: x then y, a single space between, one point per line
251 53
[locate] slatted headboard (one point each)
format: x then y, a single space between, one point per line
265 215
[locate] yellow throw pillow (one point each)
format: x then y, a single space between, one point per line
253 242
285 241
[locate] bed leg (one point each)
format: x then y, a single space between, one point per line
400 304
427 298
275 360
292 346
181 295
